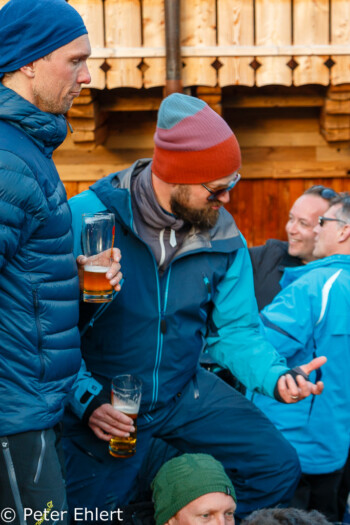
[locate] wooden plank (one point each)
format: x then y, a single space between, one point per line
335 121
225 51
198 28
273 26
154 36
311 21
235 27
90 124
92 13
337 106
340 34
336 135
123 28
133 103
300 170
83 111
275 101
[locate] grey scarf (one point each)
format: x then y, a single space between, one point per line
162 231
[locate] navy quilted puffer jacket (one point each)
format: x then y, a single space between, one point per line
39 289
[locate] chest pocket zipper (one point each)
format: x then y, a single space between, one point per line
39 332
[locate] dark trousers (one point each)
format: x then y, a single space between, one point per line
31 479
344 490
319 492
208 416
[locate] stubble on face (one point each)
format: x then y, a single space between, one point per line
202 218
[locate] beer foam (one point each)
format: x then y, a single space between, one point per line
95 269
127 409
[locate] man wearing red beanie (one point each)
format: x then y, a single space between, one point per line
188 286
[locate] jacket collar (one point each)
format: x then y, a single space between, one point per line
46 130
333 261
114 192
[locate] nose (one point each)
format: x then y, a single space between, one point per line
317 228
291 226
224 198
220 520
84 74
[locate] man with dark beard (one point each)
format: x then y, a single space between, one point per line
188 284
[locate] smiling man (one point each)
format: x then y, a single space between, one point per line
188 284
310 317
270 259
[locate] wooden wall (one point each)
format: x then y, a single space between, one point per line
223 42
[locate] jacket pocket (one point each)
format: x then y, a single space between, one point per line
340 325
39 332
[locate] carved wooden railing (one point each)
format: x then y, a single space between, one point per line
223 42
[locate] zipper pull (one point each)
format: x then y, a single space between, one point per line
172 240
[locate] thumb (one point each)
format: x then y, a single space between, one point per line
81 259
314 364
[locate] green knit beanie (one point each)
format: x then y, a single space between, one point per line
184 479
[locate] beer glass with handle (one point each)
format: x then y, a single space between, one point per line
126 397
97 239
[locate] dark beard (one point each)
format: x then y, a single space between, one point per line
204 219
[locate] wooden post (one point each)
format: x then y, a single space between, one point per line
311 22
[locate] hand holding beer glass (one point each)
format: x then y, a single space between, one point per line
98 239
126 397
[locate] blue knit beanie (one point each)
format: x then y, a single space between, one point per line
31 29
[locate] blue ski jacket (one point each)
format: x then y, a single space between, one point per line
310 317
39 288
157 325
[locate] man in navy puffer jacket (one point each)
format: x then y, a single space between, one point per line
39 287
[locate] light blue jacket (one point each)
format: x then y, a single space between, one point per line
310 317
158 325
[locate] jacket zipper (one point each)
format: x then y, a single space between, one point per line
39 331
13 480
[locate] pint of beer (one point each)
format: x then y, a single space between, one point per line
126 397
98 238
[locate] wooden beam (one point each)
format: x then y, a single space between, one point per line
222 51
132 103
272 101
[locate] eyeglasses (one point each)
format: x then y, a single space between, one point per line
322 220
215 194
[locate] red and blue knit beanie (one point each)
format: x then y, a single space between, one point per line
193 144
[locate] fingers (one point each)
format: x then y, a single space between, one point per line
293 391
81 260
116 255
288 389
314 364
110 259
106 422
114 274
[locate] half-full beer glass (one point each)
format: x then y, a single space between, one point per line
126 397
98 238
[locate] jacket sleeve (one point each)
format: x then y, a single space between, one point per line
85 202
289 321
22 205
236 342
84 393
